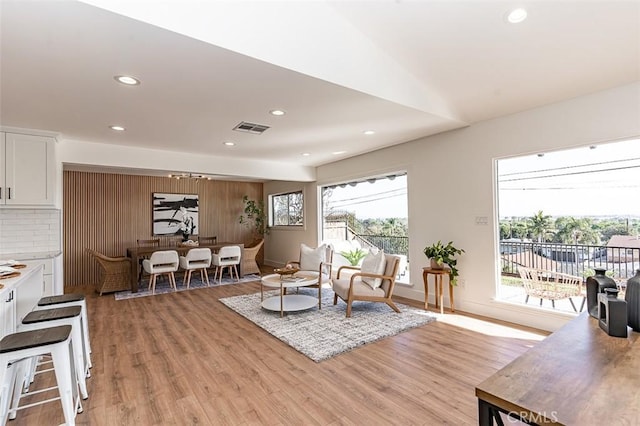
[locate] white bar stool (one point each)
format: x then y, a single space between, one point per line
72 299
17 348
45 318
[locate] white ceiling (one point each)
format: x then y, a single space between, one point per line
405 69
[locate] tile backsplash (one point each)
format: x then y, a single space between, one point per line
29 230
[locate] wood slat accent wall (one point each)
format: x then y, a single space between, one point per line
109 212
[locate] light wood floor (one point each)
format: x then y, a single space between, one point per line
186 359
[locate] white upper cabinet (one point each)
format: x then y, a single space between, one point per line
27 170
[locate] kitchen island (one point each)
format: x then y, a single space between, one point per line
19 296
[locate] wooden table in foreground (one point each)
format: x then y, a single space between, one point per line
578 375
135 253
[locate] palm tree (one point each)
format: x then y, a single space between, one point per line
540 226
576 231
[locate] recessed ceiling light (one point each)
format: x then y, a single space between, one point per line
277 112
117 128
229 143
338 152
369 132
305 154
516 15
127 79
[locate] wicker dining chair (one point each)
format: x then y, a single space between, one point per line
205 241
115 273
249 264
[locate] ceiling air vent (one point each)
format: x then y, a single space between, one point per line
257 129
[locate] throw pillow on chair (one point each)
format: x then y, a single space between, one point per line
373 264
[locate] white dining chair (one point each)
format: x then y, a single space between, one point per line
227 257
197 259
164 262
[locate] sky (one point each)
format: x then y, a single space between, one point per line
382 199
597 180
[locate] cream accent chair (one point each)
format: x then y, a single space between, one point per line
197 259
227 257
353 288
316 261
249 264
164 262
145 243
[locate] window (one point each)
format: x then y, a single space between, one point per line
287 209
568 212
367 213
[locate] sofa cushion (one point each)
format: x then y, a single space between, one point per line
374 264
341 288
311 258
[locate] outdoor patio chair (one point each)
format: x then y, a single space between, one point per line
551 285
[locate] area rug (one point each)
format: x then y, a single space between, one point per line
322 334
162 287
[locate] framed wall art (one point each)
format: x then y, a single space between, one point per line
175 214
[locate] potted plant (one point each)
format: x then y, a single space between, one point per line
354 256
441 254
254 215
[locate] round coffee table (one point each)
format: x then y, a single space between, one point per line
288 302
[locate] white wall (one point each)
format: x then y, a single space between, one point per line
283 243
451 182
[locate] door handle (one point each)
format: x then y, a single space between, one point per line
9 189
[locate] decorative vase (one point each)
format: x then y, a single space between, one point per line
632 297
612 313
596 285
435 265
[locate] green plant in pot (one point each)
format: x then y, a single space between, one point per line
254 215
441 254
354 256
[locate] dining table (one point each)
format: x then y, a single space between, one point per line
139 252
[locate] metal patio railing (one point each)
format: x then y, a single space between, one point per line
574 259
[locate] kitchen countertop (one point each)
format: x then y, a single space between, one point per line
25 273
31 255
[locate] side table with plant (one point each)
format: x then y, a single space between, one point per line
441 255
